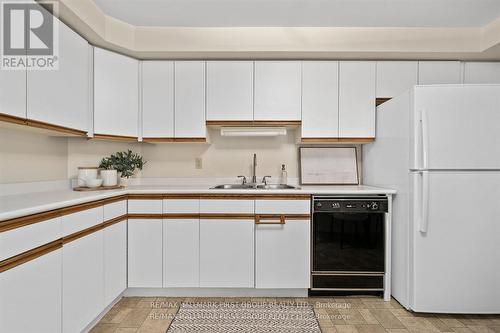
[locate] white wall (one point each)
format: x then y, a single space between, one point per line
28 157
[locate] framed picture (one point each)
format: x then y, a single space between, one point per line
328 166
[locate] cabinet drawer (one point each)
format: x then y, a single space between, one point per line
16 241
181 206
282 207
227 206
115 209
145 206
82 220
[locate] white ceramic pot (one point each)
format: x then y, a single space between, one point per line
109 177
86 173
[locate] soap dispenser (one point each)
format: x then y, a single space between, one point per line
284 175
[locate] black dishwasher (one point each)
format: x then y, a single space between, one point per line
348 251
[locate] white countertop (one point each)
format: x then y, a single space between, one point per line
13 206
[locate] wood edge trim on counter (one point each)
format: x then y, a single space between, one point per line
145 196
145 216
13 119
226 216
160 140
56 128
381 100
263 123
30 255
181 196
268 196
111 137
24 221
337 140
82 233
115 220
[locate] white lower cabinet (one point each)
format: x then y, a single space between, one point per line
145 253
227 253
30 296
282 255
83 283
181 253
115 261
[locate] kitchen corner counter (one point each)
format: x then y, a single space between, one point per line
14 206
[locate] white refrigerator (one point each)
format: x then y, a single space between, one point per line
439 147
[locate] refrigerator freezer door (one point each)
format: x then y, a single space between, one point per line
456 127
454 263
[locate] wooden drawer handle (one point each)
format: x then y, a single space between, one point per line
274 219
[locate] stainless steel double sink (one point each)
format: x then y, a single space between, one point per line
254 187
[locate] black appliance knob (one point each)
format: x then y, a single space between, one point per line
374 205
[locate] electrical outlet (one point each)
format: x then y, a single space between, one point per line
198 163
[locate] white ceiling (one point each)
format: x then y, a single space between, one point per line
303 13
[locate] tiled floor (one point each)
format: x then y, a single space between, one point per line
335 315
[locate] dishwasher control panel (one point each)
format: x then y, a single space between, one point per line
350 204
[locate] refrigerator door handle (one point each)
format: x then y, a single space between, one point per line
425 138
424 218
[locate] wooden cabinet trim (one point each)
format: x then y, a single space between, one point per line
227 216
111 137
144 216
145 196
40 124
113 221
29 255
381 100
160 140
82 233
181 196
262 123
180 216
339 140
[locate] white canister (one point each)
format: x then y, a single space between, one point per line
85 173
109 177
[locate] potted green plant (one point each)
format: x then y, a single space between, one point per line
126 163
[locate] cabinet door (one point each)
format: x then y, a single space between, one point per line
320 99
115 261
61 97
181 252
13 93
277 90
230 90
83 281
145 253
282 253
158 99
439 72
357 99
395 77
482 72
226 253
116 94
30 299
190 99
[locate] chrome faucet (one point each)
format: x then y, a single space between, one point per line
254 177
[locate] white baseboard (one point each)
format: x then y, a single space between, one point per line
102 314
213 292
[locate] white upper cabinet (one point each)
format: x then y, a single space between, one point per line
320 99
230 90
116 94
357 99
158 99
277 90
482 72
439 72
61 97
394 77
13 93
190 99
